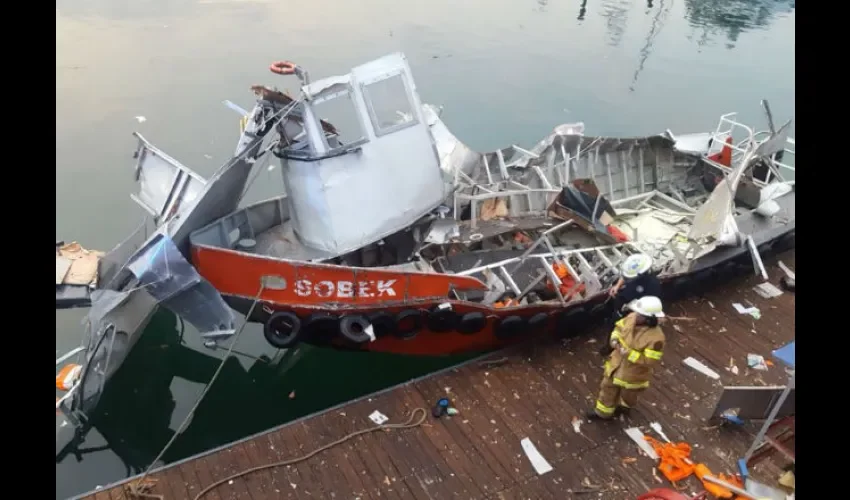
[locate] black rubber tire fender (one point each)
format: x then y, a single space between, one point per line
321 327
412 316
538 322
442 320
472 323
570 323
282 329
353 328
509 327
786 242
382 323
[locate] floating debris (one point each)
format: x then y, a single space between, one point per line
141 119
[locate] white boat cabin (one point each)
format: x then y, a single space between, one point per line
374 171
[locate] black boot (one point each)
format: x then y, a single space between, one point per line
592 415
622 410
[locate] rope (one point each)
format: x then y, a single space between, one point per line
410 423
137 488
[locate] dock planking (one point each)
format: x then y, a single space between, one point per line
529 391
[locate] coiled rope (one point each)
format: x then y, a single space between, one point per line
410 423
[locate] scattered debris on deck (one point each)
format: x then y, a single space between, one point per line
517 431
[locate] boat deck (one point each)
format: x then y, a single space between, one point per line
531 391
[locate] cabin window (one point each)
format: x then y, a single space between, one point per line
340 121
389 105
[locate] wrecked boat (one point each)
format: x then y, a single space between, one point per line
394 236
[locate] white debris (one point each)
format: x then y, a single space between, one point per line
576 425
752 311
767 290
378 417
637 436
700 367
541 466
788 272
141 119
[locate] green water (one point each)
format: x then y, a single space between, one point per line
506 72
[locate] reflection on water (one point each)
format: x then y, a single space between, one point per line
616 14
733 17
658 19
140 410
622 66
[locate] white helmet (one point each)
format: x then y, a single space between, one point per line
647 306
636 264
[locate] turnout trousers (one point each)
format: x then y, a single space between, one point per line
612 396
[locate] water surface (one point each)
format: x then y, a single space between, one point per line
506 72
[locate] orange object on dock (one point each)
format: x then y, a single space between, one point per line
675 464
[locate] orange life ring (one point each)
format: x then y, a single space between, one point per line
282 68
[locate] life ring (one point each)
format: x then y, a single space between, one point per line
282 68
353 327
282 329
509 327
441 320
383 324
471 323
408 323
322 327
538 322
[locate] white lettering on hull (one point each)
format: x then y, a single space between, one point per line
345 289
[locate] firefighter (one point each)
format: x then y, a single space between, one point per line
636 280
638 344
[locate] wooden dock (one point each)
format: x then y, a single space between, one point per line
532 391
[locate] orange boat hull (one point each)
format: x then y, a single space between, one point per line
312 289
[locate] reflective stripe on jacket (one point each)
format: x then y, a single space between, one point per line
645 347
